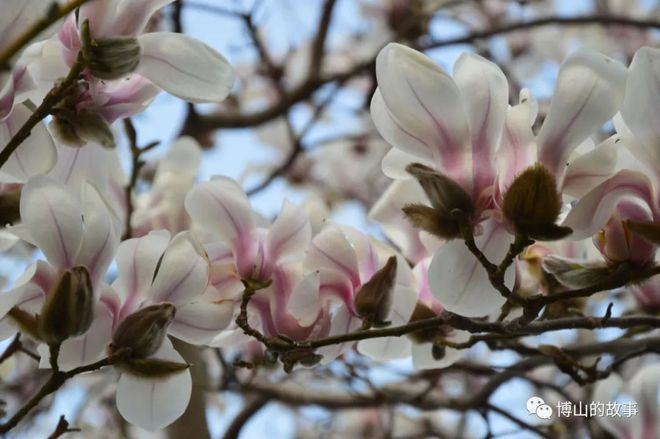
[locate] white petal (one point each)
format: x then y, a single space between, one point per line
518 149
53 218
589 170
644 387
423 102
589 91
155 403
485 92
88 347
36 155
185 67
101 15
221 207
136 262
289 235
641 106
395 161
385 348
423 356
183 273
331 250
132 16
343 322
592 211
460 283
101 235
199 322
304 303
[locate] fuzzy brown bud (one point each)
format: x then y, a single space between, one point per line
446 197
151 367
427 218
143 331
69 307
423 312
373 301
532 205
109 58
77 127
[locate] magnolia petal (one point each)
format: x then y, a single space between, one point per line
641 105
132 17
221 207
304 303
36 155
592 211
183 273
101 15
408 144
588 92
87 348
422 354
52 215
460 283
331 250
101 236
395 161
185 67
153 404
589 170
289 235
343 322
137 259
387 212
423 102
404 300
518 149
485 92
385 348
644 387
608 389
199 322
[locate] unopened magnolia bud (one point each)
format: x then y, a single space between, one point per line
446 197
109 58
151 367
374 300
77 127
423 312
444 193
69 307
427 218
532 204
143 331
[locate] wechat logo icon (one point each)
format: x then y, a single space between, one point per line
536 406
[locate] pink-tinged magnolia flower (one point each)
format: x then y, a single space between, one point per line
346 260
642 392
241 250
71 228
421 351
155 270
462 127
37 154
177 63
162 207
628 195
